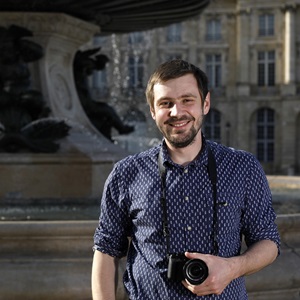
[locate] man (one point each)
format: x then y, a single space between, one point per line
197 218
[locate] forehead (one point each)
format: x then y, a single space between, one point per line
175 88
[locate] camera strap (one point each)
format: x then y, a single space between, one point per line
212 173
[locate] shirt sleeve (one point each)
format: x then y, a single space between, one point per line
259 216
111 235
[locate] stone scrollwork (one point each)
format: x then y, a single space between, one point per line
60 88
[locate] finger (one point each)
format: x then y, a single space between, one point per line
199 290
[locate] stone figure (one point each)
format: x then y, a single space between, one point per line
103 116
24 122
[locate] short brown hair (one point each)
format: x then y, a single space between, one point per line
173 69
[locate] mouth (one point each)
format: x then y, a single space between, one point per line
179 125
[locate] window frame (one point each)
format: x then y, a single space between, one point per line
266 68
266 24
213 67
265 135
213 30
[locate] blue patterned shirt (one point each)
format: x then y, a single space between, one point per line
131 207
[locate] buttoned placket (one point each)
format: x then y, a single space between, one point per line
186 198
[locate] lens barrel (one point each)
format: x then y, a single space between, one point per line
195 271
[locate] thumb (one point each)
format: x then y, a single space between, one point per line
193 255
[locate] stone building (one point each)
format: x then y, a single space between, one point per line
251 53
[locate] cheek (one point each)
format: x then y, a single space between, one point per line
158 115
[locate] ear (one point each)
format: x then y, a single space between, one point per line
152 113
206 104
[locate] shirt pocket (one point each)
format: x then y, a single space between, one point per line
229 213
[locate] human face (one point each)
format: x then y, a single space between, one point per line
178 110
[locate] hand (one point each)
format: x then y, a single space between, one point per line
220 274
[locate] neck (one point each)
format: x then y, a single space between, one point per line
184 156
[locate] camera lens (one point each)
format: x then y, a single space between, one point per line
195 271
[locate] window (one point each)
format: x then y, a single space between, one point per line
135 38
213 30
212 126
266 25
213 70
172 56
265 124
136 71
266 68
174 33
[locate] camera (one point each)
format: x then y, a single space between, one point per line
195 271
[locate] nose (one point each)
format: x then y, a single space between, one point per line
175 110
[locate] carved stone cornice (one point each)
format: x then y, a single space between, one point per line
289 7
51 23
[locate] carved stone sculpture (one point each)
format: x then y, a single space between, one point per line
103 116
24 121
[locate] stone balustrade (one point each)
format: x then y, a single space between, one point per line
52 260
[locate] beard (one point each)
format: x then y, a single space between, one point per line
182 138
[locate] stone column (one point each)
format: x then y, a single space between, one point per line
243 35
289 87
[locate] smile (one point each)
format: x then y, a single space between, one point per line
179 124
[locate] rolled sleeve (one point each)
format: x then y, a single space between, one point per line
259 216
111 235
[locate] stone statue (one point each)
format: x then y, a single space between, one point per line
101 115
24 122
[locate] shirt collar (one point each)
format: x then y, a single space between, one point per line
201 158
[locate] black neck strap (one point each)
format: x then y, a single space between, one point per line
212 173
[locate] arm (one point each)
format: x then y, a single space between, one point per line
103 277
223 270
258 256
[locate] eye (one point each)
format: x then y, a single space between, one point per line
187 101
165 104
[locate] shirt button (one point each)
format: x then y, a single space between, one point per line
189 228
186 198
186 170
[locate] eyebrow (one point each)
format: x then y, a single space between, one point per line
188 95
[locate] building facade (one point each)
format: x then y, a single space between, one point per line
250 51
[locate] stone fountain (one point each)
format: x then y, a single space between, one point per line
45 252
61 27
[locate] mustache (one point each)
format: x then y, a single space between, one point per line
175 119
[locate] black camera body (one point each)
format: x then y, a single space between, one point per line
195 271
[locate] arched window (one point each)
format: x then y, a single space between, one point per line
212 126
265 134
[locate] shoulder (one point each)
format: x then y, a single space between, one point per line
231 156
135 162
